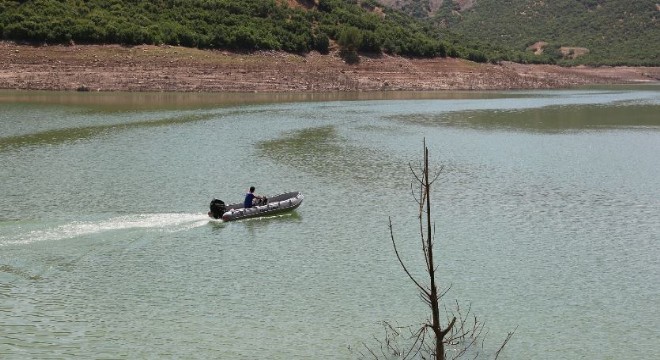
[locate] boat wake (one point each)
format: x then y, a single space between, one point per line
171 222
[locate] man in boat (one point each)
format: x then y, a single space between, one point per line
249 198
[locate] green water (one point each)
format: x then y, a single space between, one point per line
547 216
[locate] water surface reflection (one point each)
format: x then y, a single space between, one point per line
550 119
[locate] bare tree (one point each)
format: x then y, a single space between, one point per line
460 333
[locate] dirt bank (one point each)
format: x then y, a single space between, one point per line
167 68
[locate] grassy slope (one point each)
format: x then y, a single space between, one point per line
616 32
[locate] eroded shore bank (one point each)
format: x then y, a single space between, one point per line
167 68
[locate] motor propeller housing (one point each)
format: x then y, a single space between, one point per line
217 208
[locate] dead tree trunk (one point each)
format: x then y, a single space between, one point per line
429 293
435 308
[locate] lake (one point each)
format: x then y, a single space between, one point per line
546 212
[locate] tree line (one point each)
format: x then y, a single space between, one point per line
247 25
227 24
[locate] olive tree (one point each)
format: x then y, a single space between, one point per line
350 40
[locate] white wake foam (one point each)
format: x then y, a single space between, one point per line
162 222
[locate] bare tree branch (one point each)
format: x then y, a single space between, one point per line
508 337
464 334
421 288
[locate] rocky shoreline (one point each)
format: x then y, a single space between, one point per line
177 69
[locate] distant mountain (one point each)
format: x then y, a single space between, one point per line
609 32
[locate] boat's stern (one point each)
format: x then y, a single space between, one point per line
217 208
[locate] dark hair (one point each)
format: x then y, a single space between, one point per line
251 188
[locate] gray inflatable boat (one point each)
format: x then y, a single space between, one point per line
268 206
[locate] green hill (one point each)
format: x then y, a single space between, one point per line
296 26
228 24
571 32
595 32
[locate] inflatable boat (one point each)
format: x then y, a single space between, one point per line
265 207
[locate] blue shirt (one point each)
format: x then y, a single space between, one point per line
248 200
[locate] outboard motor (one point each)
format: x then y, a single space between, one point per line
218 208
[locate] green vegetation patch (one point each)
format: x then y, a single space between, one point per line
217 24
614 32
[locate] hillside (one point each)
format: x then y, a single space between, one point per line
569 32
296 26
281 45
